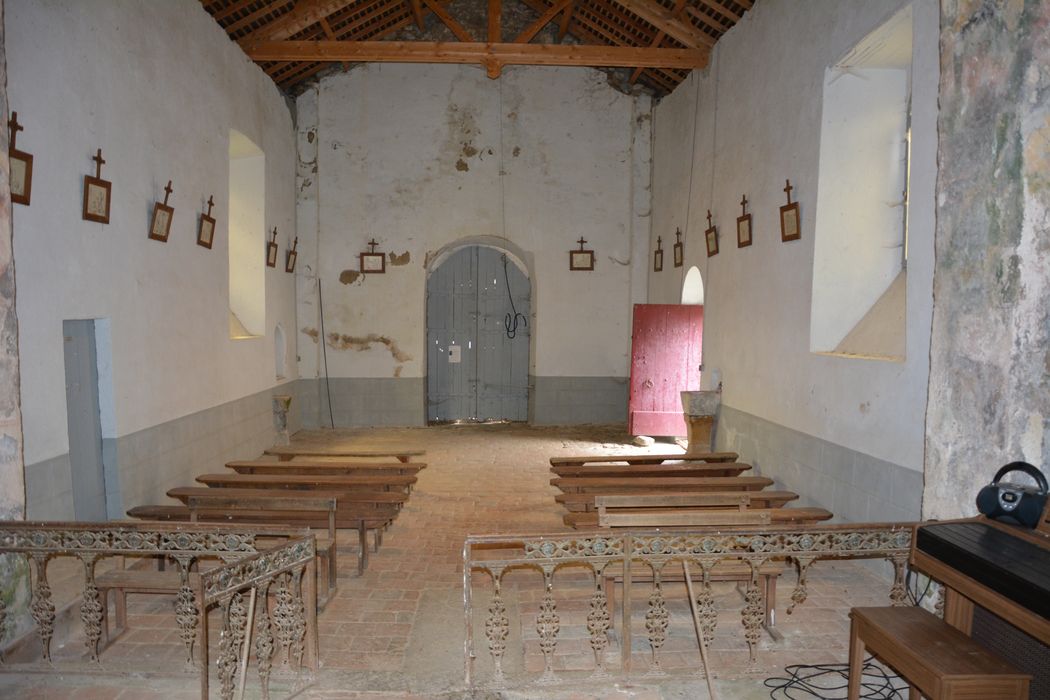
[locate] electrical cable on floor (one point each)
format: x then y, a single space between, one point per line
324 351
914 596
510 321
830 682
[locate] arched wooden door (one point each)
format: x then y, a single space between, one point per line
478 304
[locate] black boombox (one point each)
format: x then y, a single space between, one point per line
1014 503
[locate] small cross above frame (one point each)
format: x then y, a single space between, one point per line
743 205
13 127
711 236
160 224
99 162
581 259
743 225
679 248
97 193
206 229
372 262
21 173
790 224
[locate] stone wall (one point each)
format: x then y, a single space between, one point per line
989 394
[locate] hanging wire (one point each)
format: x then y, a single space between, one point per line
513 317
324 351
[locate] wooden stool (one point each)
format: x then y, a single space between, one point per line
934 657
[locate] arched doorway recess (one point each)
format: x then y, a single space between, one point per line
478 307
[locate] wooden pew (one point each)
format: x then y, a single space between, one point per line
676 469
319 466
681 484
647 512
332 482
583 511
287 452
581 460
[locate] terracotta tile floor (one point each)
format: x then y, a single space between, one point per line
397 631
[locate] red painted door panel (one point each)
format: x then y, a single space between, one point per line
666 341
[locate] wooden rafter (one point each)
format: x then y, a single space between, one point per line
656 15
546 18
250 18
721 9
449 21
588 29
493 16
678 7
233 9
417 12
563 24
305 13
706 19
472 52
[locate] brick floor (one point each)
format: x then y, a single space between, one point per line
397 631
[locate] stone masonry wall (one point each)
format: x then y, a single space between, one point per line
989 394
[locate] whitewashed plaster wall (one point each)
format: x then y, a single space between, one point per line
422 157
758 124
158 86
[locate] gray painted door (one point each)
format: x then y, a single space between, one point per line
84 421
477 338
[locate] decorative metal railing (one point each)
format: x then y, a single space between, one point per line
603 553
250 562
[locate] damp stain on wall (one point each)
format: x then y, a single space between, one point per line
349 276
461 166
311 333
398 260
338 341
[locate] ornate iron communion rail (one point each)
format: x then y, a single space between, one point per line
252 562
604 552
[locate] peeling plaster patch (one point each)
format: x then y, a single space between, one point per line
517 151
469 150
349 276
461 165
365 342
306 184
311 332
865 407
620 262
402 259
311 135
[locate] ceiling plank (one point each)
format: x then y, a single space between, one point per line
331 35
417 12
721 9
563 24
245 21
658 16
472 52
588 29
449 21
533 29
305 13
493 15
707 19
231 10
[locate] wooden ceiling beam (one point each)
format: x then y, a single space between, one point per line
588 29
417 12
472 52
493 15
546 18
658 16
563 23
449 21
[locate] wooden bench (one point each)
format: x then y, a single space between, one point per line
681 484
648 511
662 504
287 452
317 466
584 503
636 470
328 482
936 659
581 460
